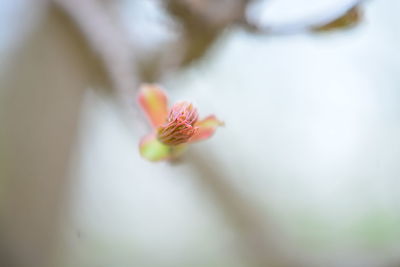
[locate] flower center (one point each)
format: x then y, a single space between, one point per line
179 127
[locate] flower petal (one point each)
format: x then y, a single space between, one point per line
206 128
154 103
153 150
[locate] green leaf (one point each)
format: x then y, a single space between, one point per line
153 150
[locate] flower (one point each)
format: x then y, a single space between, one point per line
179 127
173 130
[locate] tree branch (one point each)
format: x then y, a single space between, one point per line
108 40
307 25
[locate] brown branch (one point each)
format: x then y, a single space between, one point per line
306 25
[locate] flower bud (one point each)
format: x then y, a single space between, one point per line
179 127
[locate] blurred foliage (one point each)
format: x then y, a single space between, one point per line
378 229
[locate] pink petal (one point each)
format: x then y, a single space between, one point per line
154 103
206 128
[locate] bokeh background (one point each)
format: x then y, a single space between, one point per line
304 173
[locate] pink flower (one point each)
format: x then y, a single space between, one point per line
173 129
179 127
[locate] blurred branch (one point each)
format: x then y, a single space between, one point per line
261 242
42 89
202 23
342 17
108 40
